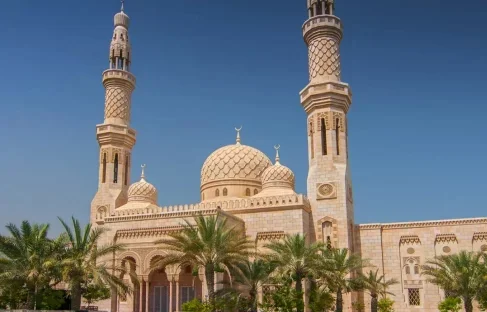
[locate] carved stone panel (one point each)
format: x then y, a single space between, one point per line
326 190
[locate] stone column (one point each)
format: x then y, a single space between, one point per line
147 284
141 295
177 294
171 305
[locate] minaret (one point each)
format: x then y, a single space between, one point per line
326 100
115 137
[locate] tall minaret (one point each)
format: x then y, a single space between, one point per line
115 137
326 100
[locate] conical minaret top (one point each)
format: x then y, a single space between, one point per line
118 81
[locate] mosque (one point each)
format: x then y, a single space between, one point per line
258 194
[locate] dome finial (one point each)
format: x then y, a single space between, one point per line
123 2
142 175
238 134
277 147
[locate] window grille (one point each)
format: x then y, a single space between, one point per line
414 298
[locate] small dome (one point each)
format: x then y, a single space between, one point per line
235 169
121 19
142 191
278 177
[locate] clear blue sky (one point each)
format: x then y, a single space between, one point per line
417 124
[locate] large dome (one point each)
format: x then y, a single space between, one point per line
233 170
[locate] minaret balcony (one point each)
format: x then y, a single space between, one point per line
329 93
113 134
322 24
118 74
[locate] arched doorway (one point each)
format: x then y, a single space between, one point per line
159 288
188 285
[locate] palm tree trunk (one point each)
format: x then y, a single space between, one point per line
339 301
210 284
468 304
76 296
253 300
299 294
373 303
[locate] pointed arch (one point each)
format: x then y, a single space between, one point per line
104 168
115 169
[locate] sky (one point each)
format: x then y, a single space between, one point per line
417 125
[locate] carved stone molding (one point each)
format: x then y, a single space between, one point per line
271 235
413 284
480 236
326 190
341 121
326 118
410 240
148 232
446 238
116 151
404 225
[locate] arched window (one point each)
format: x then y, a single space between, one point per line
104 168
256 191
247 192
126 170
408 269
312 141
324 146
416 269
202 196
121 37
225 192
115 169
326 229
217 193
337 135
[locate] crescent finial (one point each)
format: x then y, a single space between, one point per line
277 147
143 173
238 134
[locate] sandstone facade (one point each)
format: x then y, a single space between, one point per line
243 184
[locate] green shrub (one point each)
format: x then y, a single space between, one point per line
196 306
385 305
450 304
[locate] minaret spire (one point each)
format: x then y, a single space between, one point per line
123 2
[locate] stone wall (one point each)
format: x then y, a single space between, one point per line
399 249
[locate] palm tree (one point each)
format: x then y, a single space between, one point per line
294 258
461 274
337 269
28 257
211 244
250 277
84 261
376 285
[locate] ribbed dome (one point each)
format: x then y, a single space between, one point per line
142 191
278 177
232 170
121 19
234 161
